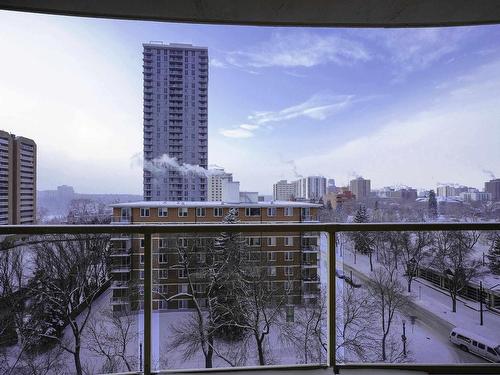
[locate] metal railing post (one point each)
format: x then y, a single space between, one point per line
148 302
331 302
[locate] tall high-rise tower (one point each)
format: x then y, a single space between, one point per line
17 179
175 121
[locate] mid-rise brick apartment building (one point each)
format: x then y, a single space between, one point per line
290 259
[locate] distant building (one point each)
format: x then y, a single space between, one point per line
344 199
449 191
265 198
221 186
311 188
17 179
493 187
360 188
476 196
284 190
249 197
407 194
330 186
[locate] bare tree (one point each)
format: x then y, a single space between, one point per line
453 257
413 249
69 275
388 298
110 335
354 326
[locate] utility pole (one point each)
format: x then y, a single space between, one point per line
403 337
481 302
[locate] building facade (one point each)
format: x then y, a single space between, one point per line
288 259
284 190
493 187
175 121
360 187
311 188
17 179
221 186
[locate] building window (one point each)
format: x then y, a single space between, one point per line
288 211
183 212
162 305
271 241
288 256
252 211
141 259
182 274
183 288
271 211
200 212
182 242
218 211
288 285
141 243
163 212
288 241
163 274
141 275
162 242
200 258
163 258
253 241
144 212
271 256
271 271
288 271
183 304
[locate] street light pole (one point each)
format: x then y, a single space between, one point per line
481 302
403 338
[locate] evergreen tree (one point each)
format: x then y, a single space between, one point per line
362 239
494 257
233 255
432 204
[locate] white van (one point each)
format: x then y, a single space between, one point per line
476 344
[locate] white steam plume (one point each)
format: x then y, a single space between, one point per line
164 163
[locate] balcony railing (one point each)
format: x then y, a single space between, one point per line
330 228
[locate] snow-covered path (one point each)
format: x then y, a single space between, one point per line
431 306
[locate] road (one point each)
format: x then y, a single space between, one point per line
440 327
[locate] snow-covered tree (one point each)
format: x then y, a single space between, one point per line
453 252
363 240
388 297
494 256
70 272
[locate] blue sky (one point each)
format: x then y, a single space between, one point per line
400 106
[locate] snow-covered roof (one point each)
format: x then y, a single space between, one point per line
209 204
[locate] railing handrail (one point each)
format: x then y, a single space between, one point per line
241 227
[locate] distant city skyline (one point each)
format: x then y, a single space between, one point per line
412 107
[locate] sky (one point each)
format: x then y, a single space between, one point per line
412 107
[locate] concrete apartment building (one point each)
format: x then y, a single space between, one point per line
221 186
493 187
360 187
17 179
175 120
311 187
284 190
289 260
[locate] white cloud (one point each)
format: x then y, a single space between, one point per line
318 107
236 133
455 139
300 49
412 50
216 63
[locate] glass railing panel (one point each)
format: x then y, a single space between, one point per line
418 297
238 300
65 304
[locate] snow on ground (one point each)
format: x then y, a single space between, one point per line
438 305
